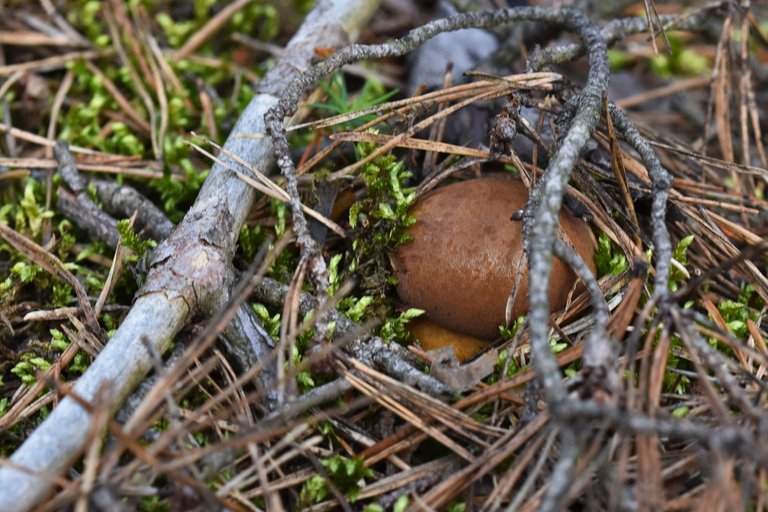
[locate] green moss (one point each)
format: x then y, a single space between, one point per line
401 504
345 473
139 247
340 101
31 212
270 323
608 258
177 195
619 59
681 61
380 221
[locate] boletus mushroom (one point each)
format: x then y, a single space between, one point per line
466 252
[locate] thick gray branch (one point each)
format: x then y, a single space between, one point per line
540 233
191 269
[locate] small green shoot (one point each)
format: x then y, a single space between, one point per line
340 101
345 474
458 506
681 62
680 257
380 221
270 323
608 257
393 328
401 504
132 241
26 369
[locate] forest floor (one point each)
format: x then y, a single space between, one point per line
199 304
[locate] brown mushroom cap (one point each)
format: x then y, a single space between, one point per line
460 266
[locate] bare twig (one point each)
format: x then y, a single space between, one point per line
190 270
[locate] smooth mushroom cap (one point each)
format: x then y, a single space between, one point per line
433 336
461 265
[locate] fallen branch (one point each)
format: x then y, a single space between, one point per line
190 272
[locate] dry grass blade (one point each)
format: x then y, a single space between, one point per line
118 23
153 58
22 406
720 88
53 63
620 173
654 24
58 101
534 81
379 394
55 267
661 92
214 24
266 186
289 330
121 100
50 163
494 92
92 455
440 495
435 410
37 139
411 143
31 38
